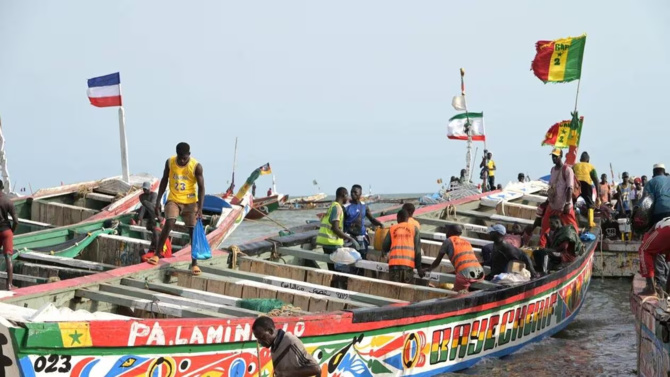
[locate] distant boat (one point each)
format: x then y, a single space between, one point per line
263 206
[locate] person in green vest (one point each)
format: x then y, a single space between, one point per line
331 236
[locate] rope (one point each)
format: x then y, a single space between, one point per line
285 311
269 218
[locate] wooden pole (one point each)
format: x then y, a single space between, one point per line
232 183
124 145
468 154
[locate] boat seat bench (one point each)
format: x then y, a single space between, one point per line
362 284
242 288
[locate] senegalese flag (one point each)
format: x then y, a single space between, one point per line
265 169
565 134
559 60
59 335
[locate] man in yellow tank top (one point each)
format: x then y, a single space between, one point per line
183 173
587 176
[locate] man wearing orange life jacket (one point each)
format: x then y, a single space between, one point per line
403 249
462 257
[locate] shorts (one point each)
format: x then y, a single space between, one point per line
7 241
187 212
401 274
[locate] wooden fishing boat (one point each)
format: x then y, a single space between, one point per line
652 324
84 201
265 205
101 245
168 322
616 256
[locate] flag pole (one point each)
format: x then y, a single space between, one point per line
468 154
232 183
124 145
3 163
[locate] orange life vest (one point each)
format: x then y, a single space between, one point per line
402 245
411 221
464 257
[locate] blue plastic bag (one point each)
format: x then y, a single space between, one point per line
199 247
587 236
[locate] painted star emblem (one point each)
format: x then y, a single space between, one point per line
75 337
559 54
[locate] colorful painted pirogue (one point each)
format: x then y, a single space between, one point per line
85 201
198 327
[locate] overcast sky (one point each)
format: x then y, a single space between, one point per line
342 92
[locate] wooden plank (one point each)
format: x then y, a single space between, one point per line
317 304
70 262
177 300
303 286
244 264
249 291
363 284
143 230
199 283
148 305
383 268
47 271
534 198
314 277
24 278
496 218
100 197
333 306
257 268
465 226
441 237
300 298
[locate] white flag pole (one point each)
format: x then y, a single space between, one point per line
3 163
124 145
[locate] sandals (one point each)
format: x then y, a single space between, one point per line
153 260
195 270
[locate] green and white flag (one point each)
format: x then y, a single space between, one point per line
457 128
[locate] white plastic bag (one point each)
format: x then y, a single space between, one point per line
510 278
345 255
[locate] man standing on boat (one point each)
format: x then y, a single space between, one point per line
403 247
184 173
289 357
462 257
7 232
623 198
561 185
331 235
490 166
355 213
587 176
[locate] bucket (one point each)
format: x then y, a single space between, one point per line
380 234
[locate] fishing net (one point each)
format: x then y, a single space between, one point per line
270 306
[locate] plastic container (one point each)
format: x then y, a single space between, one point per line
380 234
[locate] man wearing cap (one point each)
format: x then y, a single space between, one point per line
654 250
183 173
147 211
502 253
561 185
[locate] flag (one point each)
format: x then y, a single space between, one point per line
105 91
458 103
458 127
566 133
265 169
559 60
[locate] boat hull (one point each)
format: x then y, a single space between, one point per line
653 354
264 206
419 339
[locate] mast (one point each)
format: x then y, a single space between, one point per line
274 185
468 154
3 163
232 182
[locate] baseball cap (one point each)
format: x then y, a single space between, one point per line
659 166
146 185
557 152
498 228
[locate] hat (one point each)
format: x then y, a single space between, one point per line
146 185
659 166
637 180
498 229
557 152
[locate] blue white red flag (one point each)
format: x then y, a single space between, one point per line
105 91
